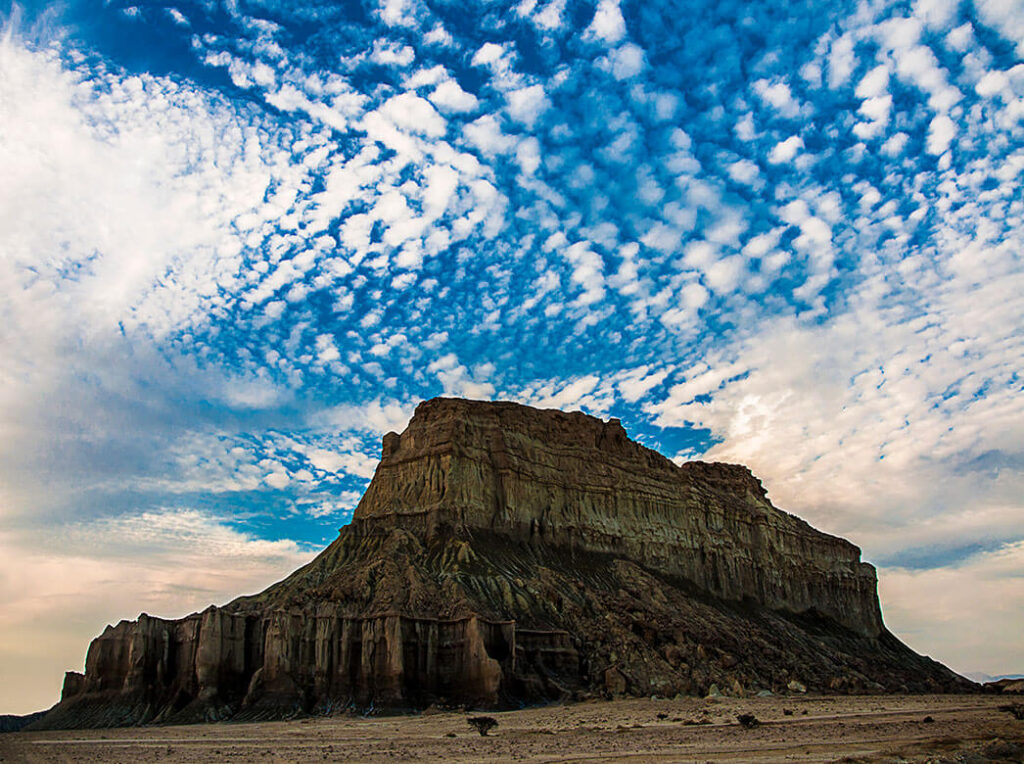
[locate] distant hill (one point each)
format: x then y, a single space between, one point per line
981 677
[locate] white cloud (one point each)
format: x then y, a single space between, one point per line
391 54
452 99
841 61
588 271
624 62
636 383
777 94
457 380
744 171
865 424
992 83
485 134
724 275
342 504
378 416
941 132
525 105
585 393
528 155
414 114
549 17
401 13
438 35
895 144
784 151
937 14
608 24
874 83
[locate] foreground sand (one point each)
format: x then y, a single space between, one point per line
877 728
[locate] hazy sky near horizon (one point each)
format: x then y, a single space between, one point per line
239 241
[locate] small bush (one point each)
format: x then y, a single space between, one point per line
748 721
482 724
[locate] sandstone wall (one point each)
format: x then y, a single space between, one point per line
278 660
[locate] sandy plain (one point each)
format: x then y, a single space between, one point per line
964 728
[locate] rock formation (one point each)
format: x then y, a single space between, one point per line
502 555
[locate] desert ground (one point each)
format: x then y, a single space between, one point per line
963 728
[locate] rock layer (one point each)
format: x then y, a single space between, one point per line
503 555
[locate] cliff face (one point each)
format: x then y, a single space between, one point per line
503 554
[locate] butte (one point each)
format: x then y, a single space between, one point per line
505 555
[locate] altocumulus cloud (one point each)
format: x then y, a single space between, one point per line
237 244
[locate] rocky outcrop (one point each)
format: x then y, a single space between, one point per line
503 555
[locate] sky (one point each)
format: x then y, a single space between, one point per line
240 240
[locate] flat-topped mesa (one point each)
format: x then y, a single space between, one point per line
505 555
567 479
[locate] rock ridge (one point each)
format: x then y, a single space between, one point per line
504 554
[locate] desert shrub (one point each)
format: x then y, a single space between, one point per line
482 724
748 721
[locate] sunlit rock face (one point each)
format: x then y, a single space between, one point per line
502 555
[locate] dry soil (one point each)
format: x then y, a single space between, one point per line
963 728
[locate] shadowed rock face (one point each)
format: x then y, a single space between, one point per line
503 555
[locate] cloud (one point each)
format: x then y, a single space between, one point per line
778 95
486 134
391 54
858 432
413 114
457 380
525 105
941 132
624 62
744 171
607 24
784 151
452 99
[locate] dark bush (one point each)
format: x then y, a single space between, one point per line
482 724
748 721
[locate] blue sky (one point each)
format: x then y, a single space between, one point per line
240 241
